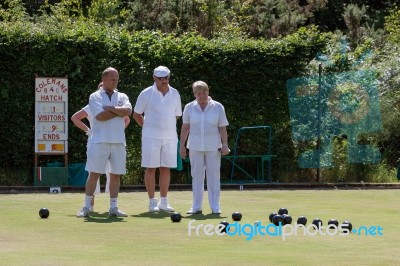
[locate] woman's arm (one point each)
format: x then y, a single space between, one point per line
224 139
77 120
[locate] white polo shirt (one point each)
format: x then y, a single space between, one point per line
160 112
112 130
204 133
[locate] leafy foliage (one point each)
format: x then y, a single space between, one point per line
197 40
84 48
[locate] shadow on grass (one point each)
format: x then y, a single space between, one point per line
209 216
163 215
96 217
153 215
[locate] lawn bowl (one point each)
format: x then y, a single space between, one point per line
223 225
277 219
44 213
272 216
302 220
283 211
317 222
347 225
236 216
287 219
333 222
176 217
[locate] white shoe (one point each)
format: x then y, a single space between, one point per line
164 206
117 212
216 211
153 206
191 211
84 212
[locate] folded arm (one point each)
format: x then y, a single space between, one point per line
113 111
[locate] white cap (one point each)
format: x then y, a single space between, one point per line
161 71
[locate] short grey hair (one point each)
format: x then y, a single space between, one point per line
200 86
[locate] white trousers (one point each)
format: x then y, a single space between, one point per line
205 164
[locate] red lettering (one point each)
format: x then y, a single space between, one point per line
51 117
63 87
51 98
42 86
51 136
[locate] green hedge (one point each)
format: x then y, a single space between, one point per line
247 76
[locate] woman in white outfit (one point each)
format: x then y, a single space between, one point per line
204 126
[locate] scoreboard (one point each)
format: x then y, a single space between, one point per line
51 115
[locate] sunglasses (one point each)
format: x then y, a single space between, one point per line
163 78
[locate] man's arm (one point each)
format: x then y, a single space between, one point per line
138 118
127 121
119 110
113 111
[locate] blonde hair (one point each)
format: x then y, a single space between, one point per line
200 86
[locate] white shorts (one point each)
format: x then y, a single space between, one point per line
107 189
159 153
99 154
97 190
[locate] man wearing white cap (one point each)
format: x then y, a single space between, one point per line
156 111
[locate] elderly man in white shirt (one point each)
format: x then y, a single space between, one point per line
204 121
156 111
77 119
107 141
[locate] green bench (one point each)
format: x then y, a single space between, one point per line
236 160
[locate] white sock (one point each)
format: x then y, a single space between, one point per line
88 201
113 202
163 199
